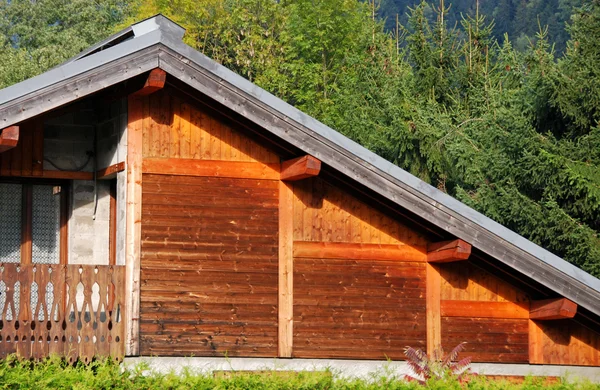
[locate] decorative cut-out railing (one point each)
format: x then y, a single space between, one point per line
75 311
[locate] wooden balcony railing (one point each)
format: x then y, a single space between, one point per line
75 311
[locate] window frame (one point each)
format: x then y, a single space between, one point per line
27 215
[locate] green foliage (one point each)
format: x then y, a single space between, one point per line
38 35
54 373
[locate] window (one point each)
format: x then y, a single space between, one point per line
33 222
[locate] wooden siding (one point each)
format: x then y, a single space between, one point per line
357 308
488 339
25 159
174 128
325 213
209 266
564 342
497 335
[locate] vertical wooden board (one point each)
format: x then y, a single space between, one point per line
133 224
298 219
235 145
535 344
147 126
38 147
307 211
365 217
195 134
316 202
286 270
433 310
16 159
225 143
175 128
5 166
27 154
165 122
356 221
186 136
215 138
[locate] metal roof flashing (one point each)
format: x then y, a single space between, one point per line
158 22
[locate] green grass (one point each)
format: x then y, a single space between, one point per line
53 373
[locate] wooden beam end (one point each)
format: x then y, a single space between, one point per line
300 168
156 80
448 251
552 309
9 138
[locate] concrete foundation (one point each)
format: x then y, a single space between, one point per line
362 369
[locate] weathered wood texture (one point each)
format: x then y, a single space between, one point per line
448 251
174 128
485 311
155 81
325 213
563 342
209 266
358 308
25 159
43 314
488 339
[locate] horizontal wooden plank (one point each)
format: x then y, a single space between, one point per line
205 183
192 167
217 199
339 250
484 309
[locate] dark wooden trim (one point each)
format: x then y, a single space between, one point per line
111 171
26 223
68 175
155 81
191 167
9 138
344 250
481 309
112 224
448 251
552 309
300 168
64 223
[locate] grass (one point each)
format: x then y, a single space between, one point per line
54 373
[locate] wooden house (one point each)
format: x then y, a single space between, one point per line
152 202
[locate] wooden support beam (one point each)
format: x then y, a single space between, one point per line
342 250
133 229
192 167
552 309
110 172
481 309
9 138
67 175
448 251
156 80
300 168
433 293
286 271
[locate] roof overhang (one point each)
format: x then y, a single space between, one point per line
162 47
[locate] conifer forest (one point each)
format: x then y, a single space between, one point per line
496 103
